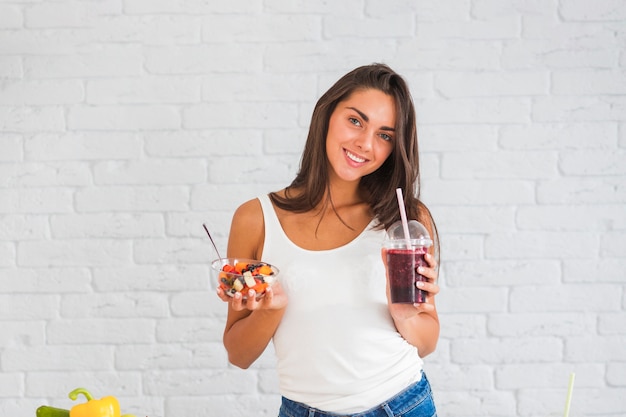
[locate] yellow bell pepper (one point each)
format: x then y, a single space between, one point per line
105 407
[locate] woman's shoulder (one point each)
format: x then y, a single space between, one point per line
247 230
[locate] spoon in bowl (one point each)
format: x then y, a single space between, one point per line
214 246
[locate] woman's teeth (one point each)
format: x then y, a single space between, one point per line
354 157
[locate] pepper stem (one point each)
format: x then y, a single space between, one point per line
74 394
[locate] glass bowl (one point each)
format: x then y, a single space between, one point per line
235 275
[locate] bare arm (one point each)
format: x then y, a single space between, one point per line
250 324
419 323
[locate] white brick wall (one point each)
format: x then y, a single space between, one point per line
126 124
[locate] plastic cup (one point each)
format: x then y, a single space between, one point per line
404 257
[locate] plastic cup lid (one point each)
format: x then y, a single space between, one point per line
419 234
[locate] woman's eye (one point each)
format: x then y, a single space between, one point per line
386 137
354 121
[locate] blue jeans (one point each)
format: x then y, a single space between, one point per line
414 401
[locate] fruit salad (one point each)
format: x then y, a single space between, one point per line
243 275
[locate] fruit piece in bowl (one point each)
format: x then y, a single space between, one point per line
235 275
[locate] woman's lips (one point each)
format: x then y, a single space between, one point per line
354 157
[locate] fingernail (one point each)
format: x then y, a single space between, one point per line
419 284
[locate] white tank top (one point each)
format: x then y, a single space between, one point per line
337 347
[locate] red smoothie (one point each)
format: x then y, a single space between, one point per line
402 267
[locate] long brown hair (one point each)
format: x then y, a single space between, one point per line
401 169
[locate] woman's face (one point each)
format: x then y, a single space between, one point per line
361 134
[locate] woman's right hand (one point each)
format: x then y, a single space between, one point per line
273 299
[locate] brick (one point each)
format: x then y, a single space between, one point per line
612 245
62 358
233 170
16 227
44 42
190 224
507 350
78 252
611 324
307 7
472 300
200 59
82 146
113 225
22 307
570 218
14 384
114 305
483 9
585 163
616 374
11 17
60 15
513 377
94 331
451 55
501 273
51 174
502 27
115 118
593 348
463 325
457 138
315 56
22 333
603 10
256 87
146 90
604 190
492 84
462 378
541 323
548 136
151 172
170 251
159 278
128 199
589 82
539 53
38 200
476 110
284 141
149 30
397 25
11 146
57 384
462 247
31 119
104 61
45 280
546 245
264 28
152 356
228 404
565 298
195 7
579 109
8 254
604 270
195 304
473 193
190 330
503 165
240 115
10 67
209 143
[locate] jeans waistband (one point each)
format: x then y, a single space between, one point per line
398 405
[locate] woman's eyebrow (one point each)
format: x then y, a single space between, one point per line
367 119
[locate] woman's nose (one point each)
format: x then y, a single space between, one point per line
365 140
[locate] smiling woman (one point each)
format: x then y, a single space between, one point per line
342 346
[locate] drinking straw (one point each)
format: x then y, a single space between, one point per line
569 394
405 223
